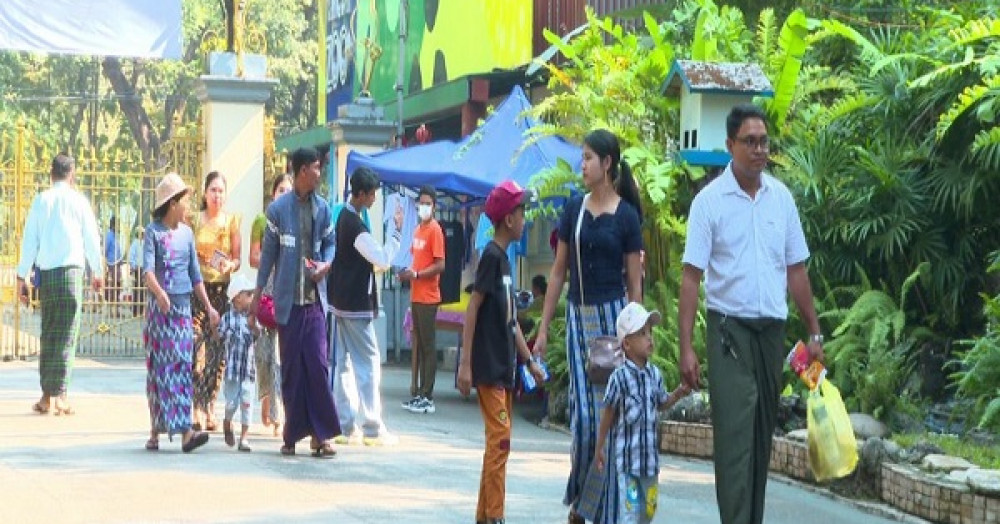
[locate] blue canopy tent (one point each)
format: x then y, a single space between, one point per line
473 166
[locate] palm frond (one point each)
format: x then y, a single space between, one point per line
967 99
986 148
975 32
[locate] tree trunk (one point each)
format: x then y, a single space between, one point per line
130 104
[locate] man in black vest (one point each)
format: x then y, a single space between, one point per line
353 293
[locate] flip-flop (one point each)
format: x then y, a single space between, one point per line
152 445
39 408
196 441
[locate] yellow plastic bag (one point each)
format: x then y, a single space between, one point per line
833 452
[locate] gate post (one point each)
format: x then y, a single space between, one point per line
20 172
233 113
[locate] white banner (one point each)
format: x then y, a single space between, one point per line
135 28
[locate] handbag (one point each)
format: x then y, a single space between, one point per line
265 312
604 354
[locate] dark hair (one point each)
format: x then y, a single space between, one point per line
62 166
302 156
212 175
112 222
363 180
540 282
429 191
161 211
605 144
278 180
741 113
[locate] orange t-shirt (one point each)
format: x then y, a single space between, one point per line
428 245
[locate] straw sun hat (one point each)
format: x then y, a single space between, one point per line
168 188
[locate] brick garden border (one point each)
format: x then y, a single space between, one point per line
901 486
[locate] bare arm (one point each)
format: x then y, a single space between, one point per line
675 396
801 290
607 418
557 277
464 378
436 268
633 276
235 246
687 307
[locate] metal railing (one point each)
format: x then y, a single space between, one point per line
118 185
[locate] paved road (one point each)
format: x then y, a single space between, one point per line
91 467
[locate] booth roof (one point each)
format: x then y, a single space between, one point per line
496 151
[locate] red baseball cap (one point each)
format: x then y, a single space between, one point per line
505 198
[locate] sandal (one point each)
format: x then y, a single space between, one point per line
62 408
40 408
210 426
197 440
287 450
153 444
227 431
324 450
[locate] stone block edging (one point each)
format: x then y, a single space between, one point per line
904 487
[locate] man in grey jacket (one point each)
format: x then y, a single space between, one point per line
298 246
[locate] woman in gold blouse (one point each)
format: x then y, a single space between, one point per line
217 240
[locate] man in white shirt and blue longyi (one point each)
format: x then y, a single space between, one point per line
61 237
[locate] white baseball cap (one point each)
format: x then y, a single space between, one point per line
633 318
239 283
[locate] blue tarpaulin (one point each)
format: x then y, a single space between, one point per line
480 161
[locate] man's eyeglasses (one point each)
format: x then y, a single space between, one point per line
754 142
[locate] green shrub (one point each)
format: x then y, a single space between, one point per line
978 375
869 357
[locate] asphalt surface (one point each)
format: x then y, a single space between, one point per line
91 466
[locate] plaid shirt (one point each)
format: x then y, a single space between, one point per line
238 340
637 394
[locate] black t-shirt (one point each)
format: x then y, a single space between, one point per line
493 356
605 241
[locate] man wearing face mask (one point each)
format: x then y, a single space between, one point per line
425 296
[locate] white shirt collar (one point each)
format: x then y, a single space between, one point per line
730 185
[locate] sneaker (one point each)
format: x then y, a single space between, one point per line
407 404
344 440
385 439
424 405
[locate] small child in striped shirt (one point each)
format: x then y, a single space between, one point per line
634 394
234 328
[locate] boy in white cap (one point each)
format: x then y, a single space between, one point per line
240 374
635 392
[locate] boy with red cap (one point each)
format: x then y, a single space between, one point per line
492 339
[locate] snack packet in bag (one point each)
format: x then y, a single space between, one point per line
811 371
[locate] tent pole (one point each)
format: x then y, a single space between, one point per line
401 70
400 80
